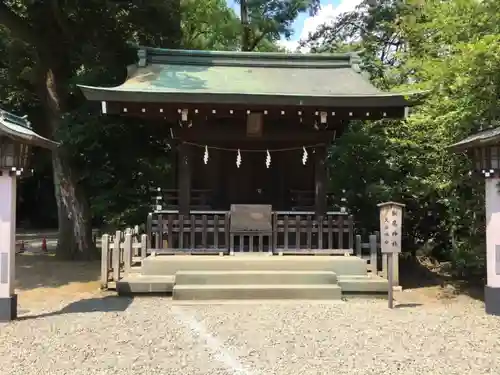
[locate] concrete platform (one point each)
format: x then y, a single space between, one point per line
262 292
255 277
363 284
135 284
171 264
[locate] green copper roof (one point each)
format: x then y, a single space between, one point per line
163 75
19 129
483 138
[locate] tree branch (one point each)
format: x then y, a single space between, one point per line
61 20
18 26
257 40
198 34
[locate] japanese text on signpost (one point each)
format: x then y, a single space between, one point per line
391 217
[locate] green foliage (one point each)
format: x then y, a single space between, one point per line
264 22
275 18
374 31
453 50
209 25
119 161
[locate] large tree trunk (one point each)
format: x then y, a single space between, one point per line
75 226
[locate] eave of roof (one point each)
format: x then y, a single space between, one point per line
179 76
19 129
382 100
481 139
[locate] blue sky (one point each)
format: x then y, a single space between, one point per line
305 24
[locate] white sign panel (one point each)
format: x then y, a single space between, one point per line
391 223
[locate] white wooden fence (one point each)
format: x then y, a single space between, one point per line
377 262
118 254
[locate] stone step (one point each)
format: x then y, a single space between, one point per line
363 284
171 264
259 292
255 277
132 284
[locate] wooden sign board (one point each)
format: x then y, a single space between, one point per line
391 225
251 218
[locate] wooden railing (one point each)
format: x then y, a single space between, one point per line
292 232
202 231
303 232
118 252
371 252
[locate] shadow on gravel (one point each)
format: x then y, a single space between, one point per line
104 304
407 305
414 275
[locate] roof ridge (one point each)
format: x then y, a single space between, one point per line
18 120
236 58
188 52
19 129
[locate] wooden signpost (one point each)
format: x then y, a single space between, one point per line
391 225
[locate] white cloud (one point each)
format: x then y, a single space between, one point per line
325 15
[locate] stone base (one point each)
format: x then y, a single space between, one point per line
492 300
8 308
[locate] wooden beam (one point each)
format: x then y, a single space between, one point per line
205 136
200 111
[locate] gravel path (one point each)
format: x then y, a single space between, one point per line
153 335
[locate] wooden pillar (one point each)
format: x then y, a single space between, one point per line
282 194
184 178
320 180
215 182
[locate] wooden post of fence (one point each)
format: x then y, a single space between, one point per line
144 246
373 254
351 231
136 251
359 247
104 261
149 229
116 256
127 253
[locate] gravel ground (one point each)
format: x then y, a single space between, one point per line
153 335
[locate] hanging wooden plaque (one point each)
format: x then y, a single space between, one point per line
254 125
